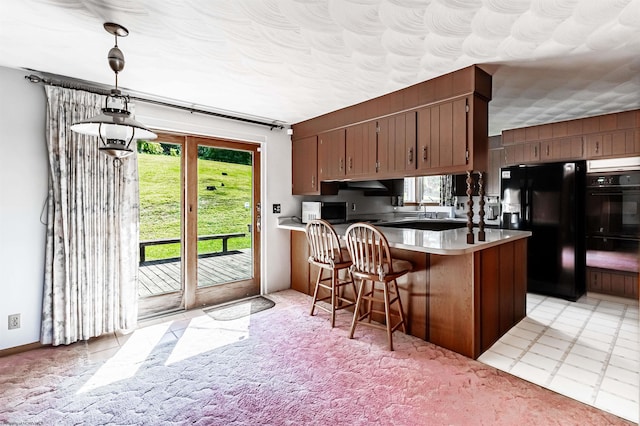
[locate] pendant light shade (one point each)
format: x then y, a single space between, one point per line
114 126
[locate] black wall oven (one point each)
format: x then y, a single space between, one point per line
613 220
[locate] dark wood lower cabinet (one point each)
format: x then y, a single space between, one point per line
615 283
476 298
460 302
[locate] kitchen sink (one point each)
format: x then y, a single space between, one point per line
427 225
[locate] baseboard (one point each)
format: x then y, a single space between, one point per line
19 349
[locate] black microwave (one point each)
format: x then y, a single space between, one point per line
332 212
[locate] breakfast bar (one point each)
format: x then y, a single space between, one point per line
459 296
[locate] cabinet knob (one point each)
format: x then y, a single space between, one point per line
424 153
410 155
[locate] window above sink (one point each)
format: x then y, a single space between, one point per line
428 190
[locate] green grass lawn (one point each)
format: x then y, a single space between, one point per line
220 211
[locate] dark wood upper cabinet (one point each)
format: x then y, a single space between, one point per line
305 166
448 141
405 132
437 126
610 135
361 150
396 145
331 155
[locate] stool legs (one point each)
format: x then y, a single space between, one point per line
315 292
336 298
387 300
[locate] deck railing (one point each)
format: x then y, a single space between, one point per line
160 241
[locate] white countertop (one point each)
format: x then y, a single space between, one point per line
450 242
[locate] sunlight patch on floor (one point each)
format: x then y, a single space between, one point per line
205 334
126 362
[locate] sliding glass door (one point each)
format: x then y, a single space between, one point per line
200 222
227 194
161 181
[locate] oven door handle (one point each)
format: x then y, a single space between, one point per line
608 193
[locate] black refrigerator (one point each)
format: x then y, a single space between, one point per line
549 201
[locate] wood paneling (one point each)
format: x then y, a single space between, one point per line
451 301
490 297
300 278
519 281
414 290
615 283
532 133
506 288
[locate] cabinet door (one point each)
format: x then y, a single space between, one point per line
360 145
424 145
396 144
305 166
442 135
386 128
453 133
405 142
513 154
594 146
618 143
531 152
331 155
565 149
549 150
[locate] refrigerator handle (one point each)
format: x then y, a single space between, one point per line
527 206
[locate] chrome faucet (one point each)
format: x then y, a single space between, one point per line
423 206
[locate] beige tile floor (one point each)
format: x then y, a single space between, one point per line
587 350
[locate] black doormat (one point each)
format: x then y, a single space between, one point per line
240 309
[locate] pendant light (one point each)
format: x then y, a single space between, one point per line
114 126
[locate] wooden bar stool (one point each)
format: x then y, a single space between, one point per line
372 265
327 254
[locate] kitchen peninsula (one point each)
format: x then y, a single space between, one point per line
459 296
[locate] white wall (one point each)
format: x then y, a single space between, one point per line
23 190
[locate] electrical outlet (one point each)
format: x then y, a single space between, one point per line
276 208
14 321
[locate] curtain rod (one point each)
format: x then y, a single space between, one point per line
87 87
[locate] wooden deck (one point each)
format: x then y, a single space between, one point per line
162 278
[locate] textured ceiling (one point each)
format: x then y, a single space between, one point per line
290 60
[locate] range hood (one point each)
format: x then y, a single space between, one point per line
363 184
613 165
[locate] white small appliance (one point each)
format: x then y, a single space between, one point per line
332 212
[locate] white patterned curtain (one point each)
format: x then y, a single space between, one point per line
446 190
91 269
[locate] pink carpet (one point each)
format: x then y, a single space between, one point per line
276 367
